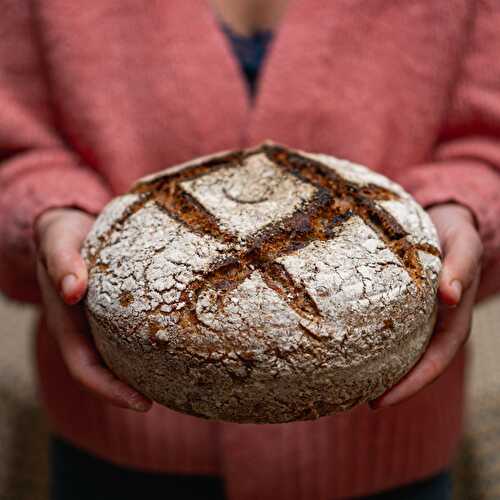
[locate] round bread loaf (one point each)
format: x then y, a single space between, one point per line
263 285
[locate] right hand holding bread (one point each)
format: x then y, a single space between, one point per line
62 277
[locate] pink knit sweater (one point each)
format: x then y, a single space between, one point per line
93 97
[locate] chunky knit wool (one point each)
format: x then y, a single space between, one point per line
93 98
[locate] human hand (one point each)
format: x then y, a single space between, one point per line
62 277
458 283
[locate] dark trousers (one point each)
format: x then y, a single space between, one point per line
78 475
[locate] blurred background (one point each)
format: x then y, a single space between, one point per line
23 431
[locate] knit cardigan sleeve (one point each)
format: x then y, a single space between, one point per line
37 170
465 167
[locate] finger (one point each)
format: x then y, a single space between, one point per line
86 367
443 346
69 327
463 251
60 250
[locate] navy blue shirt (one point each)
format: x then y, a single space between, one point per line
250 52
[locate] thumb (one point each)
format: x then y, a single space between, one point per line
463 252
60 236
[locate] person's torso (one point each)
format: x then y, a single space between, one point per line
138 87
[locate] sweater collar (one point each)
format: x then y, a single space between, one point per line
210 77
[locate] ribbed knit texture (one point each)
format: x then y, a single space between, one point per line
92 98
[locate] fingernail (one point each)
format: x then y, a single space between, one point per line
380 403
141 406
68 285
456 286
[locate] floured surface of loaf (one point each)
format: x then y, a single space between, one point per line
263 285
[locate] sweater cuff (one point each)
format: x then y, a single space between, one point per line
52 187
28 192
470 183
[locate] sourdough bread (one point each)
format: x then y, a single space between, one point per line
263 285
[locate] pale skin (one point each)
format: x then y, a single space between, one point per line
62 273
62 276
247 16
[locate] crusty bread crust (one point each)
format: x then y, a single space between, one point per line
263 285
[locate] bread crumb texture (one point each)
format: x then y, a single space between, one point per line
263 285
